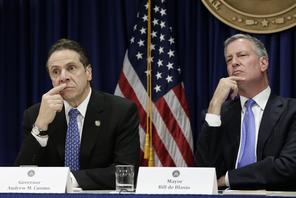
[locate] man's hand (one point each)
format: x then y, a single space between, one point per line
225 87
221 182
51 103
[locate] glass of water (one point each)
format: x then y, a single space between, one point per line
124 178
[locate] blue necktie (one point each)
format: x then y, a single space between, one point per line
247 152
72 146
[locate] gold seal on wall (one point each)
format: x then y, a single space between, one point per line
255 16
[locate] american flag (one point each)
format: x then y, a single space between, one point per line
171 130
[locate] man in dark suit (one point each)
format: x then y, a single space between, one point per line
266 159
107 125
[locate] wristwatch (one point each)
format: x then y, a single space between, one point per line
38 132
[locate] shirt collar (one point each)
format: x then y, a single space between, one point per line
81 108
260 99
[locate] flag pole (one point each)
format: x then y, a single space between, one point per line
149 61
148 150
147 134
148 77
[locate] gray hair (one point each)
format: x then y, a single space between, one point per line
258 45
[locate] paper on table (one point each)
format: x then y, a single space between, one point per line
244 192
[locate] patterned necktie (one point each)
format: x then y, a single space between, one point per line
72 146
247 152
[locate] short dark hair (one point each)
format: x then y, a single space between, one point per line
64 44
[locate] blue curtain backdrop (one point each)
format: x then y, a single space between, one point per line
29 27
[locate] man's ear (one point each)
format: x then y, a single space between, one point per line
264 63
88 71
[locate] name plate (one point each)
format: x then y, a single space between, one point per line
34 179
176 180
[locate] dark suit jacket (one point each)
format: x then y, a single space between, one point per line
115 141
275 168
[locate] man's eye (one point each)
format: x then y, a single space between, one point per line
55 72
71 68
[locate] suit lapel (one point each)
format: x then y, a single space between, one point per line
237 125
58 129
92 126
273 111
234 124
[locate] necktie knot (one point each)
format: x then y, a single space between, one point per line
73 113
249 103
